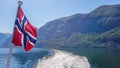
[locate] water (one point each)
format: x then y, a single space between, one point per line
97 57
22 59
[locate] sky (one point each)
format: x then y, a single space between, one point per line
39 12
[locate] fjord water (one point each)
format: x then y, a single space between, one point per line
97 57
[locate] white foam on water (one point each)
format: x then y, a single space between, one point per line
63 59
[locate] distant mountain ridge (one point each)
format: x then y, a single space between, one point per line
99 28
3 37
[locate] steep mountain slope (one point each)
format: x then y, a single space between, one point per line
101 20
62 27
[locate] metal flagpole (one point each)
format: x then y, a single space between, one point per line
11 46
9 56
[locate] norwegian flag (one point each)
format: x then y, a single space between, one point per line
24 33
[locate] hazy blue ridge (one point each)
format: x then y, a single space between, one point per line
99 28
4 37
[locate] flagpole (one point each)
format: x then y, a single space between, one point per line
9 56
11 46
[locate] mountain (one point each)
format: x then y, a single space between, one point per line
3 37
7 43
99 28
82 30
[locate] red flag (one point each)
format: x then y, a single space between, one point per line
24 33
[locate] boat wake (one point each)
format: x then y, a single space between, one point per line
63 59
